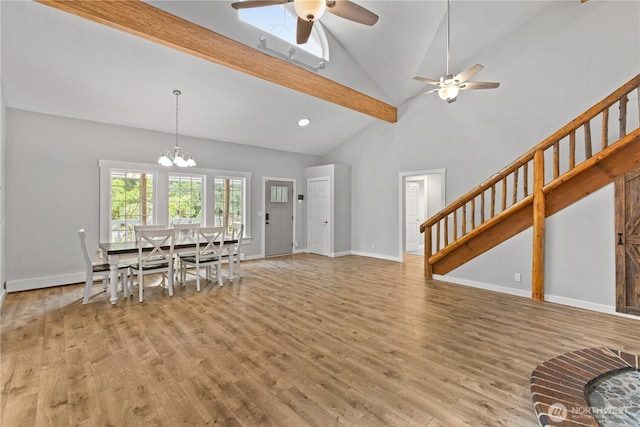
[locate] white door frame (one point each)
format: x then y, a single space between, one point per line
264 206
402 179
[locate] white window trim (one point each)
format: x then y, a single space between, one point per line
161 198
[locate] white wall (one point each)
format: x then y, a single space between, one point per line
52 178
3 149
551 69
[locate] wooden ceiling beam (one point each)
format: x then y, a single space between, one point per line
151 23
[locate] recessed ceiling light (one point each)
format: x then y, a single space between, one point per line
303 122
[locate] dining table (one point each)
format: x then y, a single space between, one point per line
116 250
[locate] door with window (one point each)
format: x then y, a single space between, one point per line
278 218
318 216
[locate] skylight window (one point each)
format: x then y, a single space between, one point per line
280 21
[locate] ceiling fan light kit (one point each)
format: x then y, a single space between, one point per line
449 85
448 93
310 10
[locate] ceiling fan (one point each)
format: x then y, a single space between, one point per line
450 85
309 11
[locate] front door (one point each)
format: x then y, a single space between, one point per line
278 218
318 216
628 243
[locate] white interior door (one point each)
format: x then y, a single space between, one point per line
318 216
278 218
413 216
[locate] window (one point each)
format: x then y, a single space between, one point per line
142 193
185 199
131 203
229 196
281 21
279 194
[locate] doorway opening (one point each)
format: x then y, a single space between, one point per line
422 194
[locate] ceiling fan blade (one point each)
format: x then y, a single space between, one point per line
426 80
351 11
468 73
303 31
256 3
478 85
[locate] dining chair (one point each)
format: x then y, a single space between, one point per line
184 231
138 228
233 250
155 255
100 271
209 247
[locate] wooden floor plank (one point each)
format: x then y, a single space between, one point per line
299 340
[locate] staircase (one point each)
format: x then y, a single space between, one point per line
557 172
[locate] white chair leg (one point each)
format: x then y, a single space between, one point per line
230 260
238 262
170 280
140 285
198 278
88 284
130 279
219 272
123 280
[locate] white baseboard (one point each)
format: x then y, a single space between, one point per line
339 254
44 282
379 256
601 308
482 285
584 304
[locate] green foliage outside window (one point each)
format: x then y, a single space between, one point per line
131 203
229 202
185 199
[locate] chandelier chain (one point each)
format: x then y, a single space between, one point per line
177 93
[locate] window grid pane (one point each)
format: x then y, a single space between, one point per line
131 203
185 199
229 197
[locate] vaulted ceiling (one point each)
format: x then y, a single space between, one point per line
59 63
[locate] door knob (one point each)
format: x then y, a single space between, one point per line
326 222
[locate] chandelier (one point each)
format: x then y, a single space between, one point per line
168 159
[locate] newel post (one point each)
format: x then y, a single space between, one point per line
428 270
537 275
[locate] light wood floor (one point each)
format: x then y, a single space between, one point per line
300 340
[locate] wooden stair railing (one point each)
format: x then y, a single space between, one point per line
524 193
